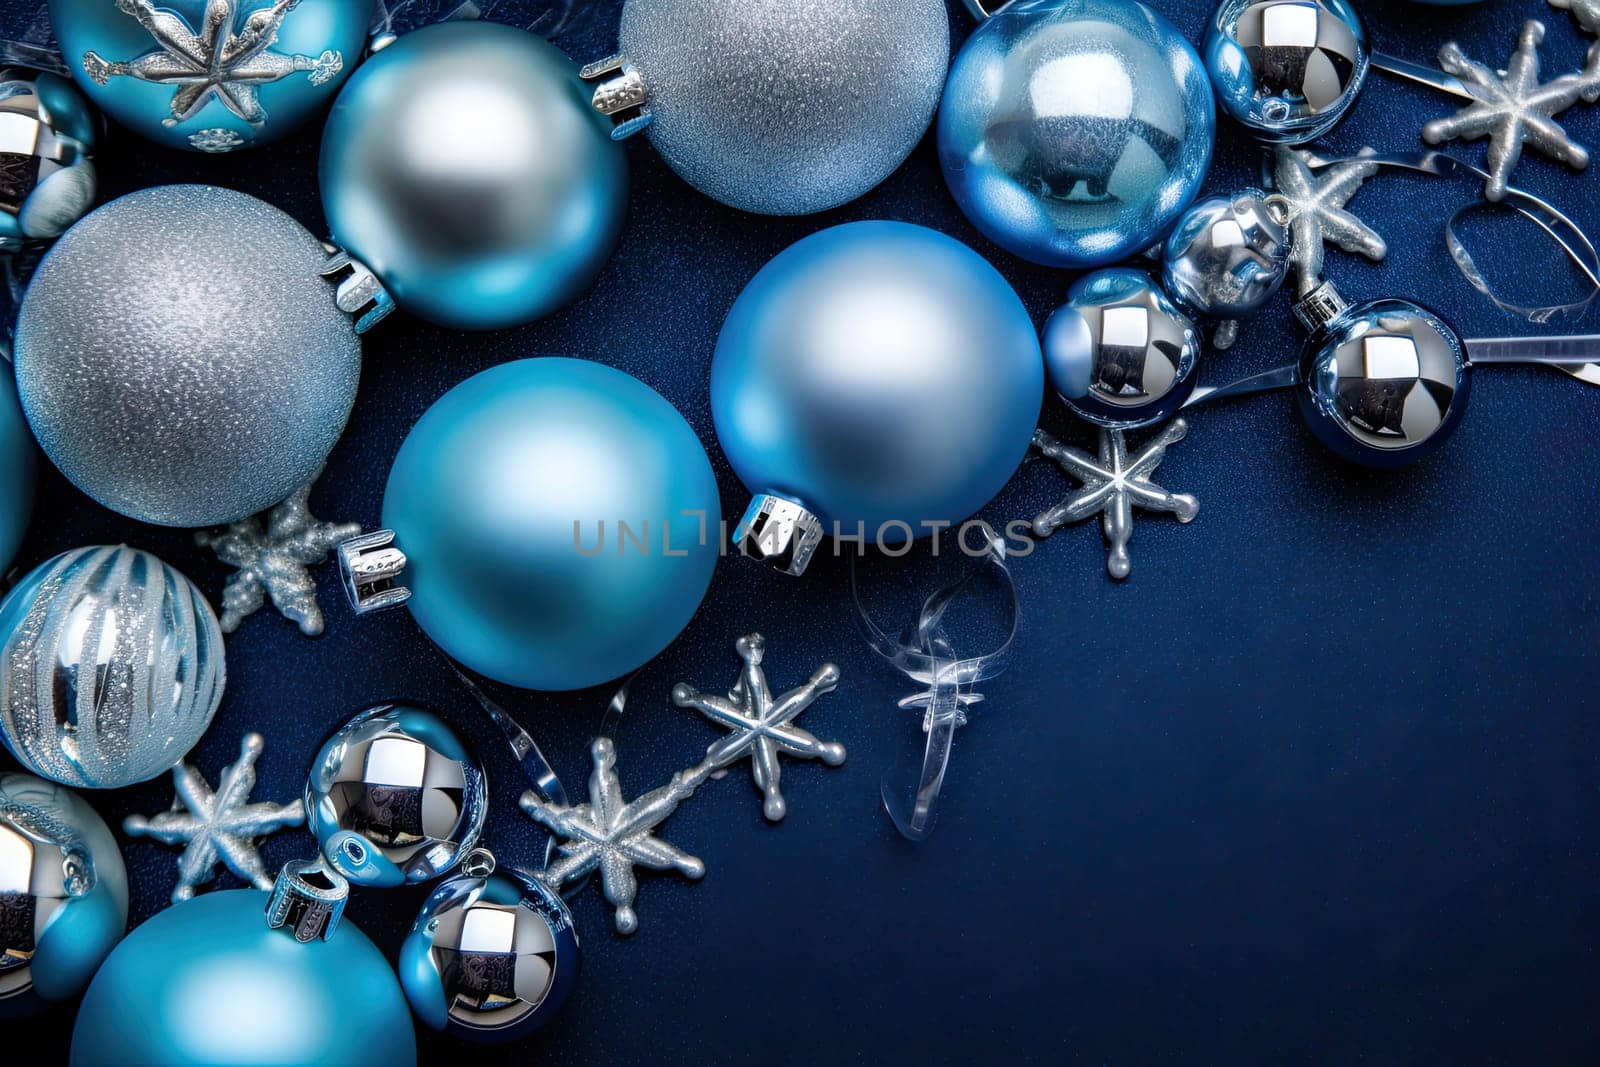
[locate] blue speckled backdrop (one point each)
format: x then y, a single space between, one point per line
1318 783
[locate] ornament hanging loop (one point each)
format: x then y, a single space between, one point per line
983 9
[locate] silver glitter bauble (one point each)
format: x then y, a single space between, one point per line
47 133
180 358
787 108
111 666
395 797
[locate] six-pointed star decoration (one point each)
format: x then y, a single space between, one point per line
1316 206
214 61
273 554
613 836
762 726
218 827
1513 109
1587 12
1113 485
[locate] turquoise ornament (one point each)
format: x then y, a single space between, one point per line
464 167
211 75
18 470
1075 132
556 522
209 982
63 894
48 140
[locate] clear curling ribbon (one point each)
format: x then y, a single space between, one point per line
926 654
393 17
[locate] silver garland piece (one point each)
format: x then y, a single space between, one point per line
762 726
218 827
1317 214
1587 12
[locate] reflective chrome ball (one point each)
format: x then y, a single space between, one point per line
1227 256
395 797
1286 69
491 957
1119 352
47 134
1384 383
63 894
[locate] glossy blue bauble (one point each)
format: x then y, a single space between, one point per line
560 520
877 373
1074 132
208 982
18 470
211 75
465 167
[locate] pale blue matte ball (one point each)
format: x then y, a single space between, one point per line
878 372
560 520
18 470
208 982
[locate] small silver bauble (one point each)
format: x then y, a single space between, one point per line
47 134
395 797
111 666
1227 258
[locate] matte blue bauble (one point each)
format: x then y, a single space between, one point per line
464 167
560 520
208 982
877 372
18 470
1074 132
211 75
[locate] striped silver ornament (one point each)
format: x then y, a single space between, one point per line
111 666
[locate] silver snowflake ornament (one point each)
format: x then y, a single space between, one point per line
1587 12
613 836
274 553
761 726
1512 109
1317 213
1113 485
218 827
218 60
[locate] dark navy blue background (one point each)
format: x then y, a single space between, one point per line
1318 783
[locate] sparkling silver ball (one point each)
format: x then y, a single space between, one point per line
180 359
786 108
395 797
1228 256
47 134
63 894
490 958
111 666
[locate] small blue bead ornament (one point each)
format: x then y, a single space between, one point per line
211 75
1074 132
63 894
464 167
876 377
557 520
18 469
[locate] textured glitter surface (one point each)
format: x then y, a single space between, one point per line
786 107
181 360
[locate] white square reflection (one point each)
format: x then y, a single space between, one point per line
1289 26
488 931
396 761
16 861
1124 327
1390 357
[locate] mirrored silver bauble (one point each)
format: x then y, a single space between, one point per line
47 134
111 666
180 358
1226 258
1119 352
491 957
786 108
63 894
395 797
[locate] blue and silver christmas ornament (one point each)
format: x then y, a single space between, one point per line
47 136
211 75
63 894
1075 132
1226 258
111 667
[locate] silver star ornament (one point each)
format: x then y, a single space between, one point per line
1587 12
613 836
1113 485
220 827
1512 109
1317 213
274 553
761 726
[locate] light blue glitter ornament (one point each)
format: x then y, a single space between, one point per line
557 522
872 379
1074 132
18 469
464 167
211 75
63 894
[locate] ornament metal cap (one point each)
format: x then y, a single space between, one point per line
779 532
358 289
1319 307
370 565
619 94
308 899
